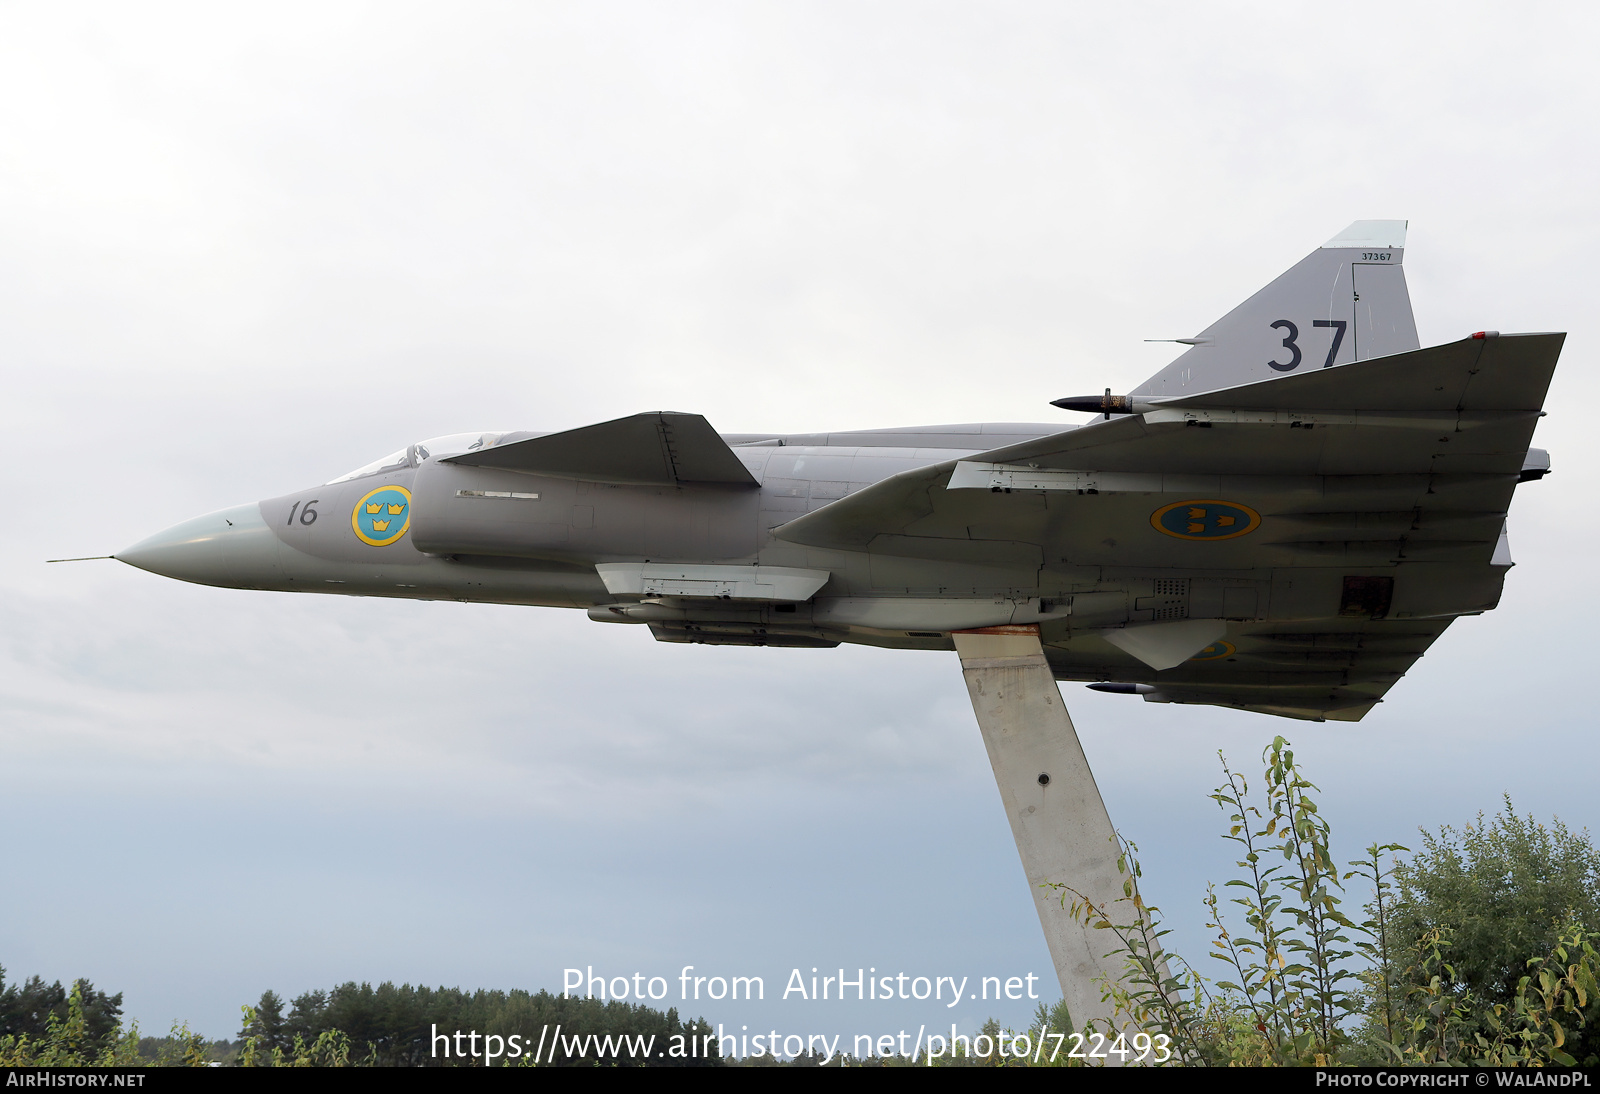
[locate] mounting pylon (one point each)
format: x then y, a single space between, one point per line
1063 832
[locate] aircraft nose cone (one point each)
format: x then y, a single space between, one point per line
233 548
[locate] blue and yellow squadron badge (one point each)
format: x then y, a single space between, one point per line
383 516
1205 519
1215 652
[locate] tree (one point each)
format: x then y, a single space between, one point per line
26 1009
1500 891
267 1023
395 1026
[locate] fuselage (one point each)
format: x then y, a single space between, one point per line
482 535
714 563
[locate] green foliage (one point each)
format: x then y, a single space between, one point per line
74 1039
1444 1025
26 1010
1292 961
1495 893
331 1048
395 1026
1309 986
265 1028
1381 996
180 1044
1292 991
1551 997
1156 1000
352 1025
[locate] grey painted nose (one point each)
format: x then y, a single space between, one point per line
233 548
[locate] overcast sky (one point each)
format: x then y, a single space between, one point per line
244 249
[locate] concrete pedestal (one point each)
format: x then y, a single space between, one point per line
1063 832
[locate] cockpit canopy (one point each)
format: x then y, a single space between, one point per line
434 448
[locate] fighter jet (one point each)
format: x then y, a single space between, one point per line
1282 520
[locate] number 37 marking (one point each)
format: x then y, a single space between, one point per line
1290 342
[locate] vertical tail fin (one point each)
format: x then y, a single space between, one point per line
1346 301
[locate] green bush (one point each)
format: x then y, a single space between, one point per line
1479 950
74 1039
1486 897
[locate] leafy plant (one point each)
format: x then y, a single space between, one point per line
1309 986
71 1042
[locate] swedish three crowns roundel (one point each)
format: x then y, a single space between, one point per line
383 516
1205 519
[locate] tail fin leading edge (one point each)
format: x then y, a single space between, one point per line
1346 301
